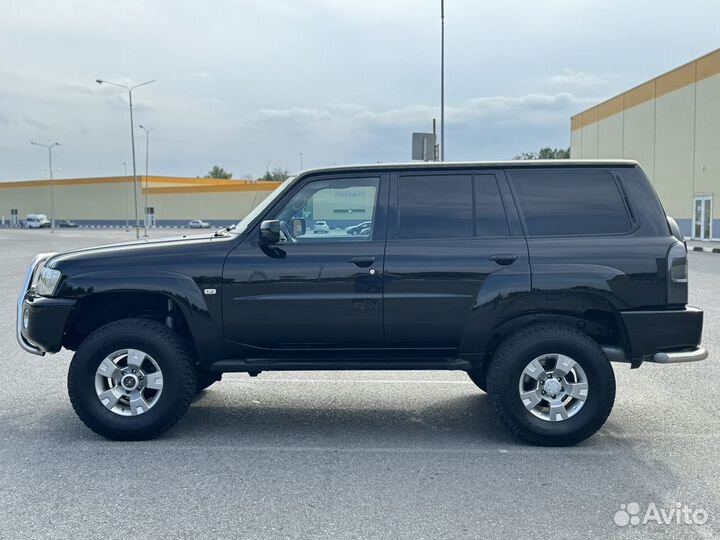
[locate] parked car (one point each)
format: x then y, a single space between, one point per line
357 229
198 224
530 276
321 227
66 224
36 221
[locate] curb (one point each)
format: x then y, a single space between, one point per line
704 249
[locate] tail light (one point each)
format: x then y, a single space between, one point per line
677 274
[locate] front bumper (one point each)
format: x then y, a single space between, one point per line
24 337
665 336
43 323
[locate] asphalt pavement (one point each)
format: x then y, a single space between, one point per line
354 454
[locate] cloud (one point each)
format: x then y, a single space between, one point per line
117 98
35 123
580 79
294 114
484 127
74 88
113 96
508 110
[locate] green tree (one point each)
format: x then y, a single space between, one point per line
219 172
278 174
546 153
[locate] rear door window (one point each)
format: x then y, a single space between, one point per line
574 202
435 206
450 206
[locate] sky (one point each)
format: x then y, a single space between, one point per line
249 85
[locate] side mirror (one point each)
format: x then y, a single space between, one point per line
270 231
298 227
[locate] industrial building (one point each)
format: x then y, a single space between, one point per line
110 201
671 125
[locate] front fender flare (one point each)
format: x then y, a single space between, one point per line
203 320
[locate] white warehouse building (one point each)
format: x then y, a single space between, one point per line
671 125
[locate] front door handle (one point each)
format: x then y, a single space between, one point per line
362 262
503 259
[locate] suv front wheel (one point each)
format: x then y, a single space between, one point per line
551 385
131 379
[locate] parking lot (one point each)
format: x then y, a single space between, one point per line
351 455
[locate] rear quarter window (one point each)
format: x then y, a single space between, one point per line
574 202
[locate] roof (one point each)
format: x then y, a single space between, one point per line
516 163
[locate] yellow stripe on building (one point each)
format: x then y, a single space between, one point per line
685 75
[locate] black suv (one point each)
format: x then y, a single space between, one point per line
530 276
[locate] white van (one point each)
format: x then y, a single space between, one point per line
36 221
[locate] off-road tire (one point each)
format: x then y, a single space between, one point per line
511 358
165 347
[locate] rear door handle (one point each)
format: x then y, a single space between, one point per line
362 262
503 259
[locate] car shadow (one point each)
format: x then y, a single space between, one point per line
446 422
217 418
278 421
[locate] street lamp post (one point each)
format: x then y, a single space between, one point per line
301 163
52 184
147 153
442 80
132 143
127 217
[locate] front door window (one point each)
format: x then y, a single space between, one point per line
331 211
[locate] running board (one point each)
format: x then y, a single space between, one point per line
340 364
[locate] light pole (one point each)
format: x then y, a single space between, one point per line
301 163
52 184
127 217
147 153
132 143
442 80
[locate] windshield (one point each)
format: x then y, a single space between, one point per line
260 208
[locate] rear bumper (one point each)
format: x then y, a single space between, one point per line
665 336
693 355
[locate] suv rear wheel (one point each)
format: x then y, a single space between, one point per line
551 385
131 379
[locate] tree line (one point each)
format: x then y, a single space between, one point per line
278 174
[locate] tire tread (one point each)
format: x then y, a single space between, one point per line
509 347
177 349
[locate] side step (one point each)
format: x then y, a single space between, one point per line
254 365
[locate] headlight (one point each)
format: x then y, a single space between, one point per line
46 279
